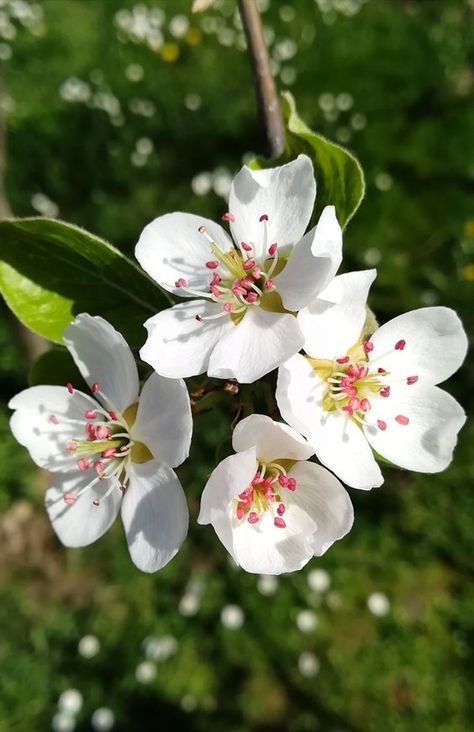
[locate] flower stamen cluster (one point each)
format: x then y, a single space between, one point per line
264 493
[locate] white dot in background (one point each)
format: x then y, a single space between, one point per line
138 160
429 297
188 703
88 646
75 90
287 13
383 181
285 49
157 16
221 182
319 580
44 205
70 701
189 604
267 584
5 52
179 26
358 121
134 72
201 184
144 146
232 617
306 621
103 719
192 102
160 649
263 5
378 604
145 672
288 75
344 101
62 722
226 37
327 101
372 256
343 134
334 600
308 664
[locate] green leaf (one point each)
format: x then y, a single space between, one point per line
56 367
339 176
51 271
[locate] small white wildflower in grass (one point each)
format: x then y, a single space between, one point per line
70 701
189 604
193 102
44 205
383 181
308 664
378 604
160 649
267 584
88 646
103 719
232 617
307 621
201 184
179 26
358 121
319 580
372 256
134 72
344 101
188 703
145 672
63 722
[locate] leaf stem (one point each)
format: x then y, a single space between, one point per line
267 98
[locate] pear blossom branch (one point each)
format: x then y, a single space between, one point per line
267 97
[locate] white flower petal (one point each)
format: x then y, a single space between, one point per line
171 248
102 356
333 322
285 194
227 480
154 514
435 344
44 440
81 523
338 442
264 548
324 498
312 264
257 345
426 443
164 422
272 440
178 345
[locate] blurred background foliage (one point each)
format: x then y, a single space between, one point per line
117 112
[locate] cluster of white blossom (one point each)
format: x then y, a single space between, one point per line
266 296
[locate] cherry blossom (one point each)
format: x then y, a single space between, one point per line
111 450
354 393
271 508
243 293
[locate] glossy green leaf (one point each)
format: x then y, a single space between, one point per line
50 271
339 176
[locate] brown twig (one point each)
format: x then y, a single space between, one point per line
267 98
33 344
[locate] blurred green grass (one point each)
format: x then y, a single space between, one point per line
392 81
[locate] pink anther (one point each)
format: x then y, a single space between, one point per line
108 453
257 273
245 247
401 419
53 419
212 264
69 498
252 297
216 292
364 405
215 279
263 217
239 512
272 249
82 463
252 517
181 282
95 388
228 307
70 388
113 416
291 484
368 346
228 217
90 414
343 359
102 432
247 282
71 446
249 264
268 285
381 424
281 509
380 370
198 318
283 481
412 380
400 345
385 392
279 522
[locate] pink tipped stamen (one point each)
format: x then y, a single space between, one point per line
108 452
252 518
385 392
212 264
227 216
228 307
291 484
412 380
401 419
82 464
69 498
380 370
245 247
281 509
70 388
279 522
400 345
95 388
90 414
268 285
343 359
381 424
249 264
272 249
102 432
53 419
257 273
263 217
199 318
181 282
113 416
368 346
252 297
